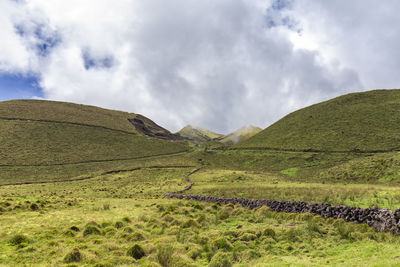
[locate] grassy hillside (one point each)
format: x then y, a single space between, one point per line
240 135
67 112
368 121
197 134
62 112
38 143
42 133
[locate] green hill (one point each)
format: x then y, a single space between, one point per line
197 134
240 135
367 121
36 132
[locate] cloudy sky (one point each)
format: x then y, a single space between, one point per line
216 64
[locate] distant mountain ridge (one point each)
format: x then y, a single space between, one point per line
240 135
198 134
201 135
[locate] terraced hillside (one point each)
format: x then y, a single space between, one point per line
360 122
44 133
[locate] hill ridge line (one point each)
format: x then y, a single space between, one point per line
66 122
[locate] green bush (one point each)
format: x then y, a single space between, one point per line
73 256
222 243
19 239
190 224
137 236
34 206
248 237
74 228
269 232
128 229
220 260
136 251
164 255
91 230
119 224
345 231
126 219
69 233
105 224
223 214
313 227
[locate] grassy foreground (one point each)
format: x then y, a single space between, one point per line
123 219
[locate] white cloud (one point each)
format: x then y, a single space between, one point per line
217 64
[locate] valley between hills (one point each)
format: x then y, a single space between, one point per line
86 186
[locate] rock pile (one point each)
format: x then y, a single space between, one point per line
379 219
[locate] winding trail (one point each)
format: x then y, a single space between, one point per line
380 219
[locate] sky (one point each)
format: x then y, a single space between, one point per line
215 64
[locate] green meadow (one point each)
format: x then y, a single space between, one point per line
123 219
84 186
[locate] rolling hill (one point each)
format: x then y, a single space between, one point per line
197 134
240 135
37 132
358 122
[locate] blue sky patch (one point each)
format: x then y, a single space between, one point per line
16 86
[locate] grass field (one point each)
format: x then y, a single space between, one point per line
111 219
96 189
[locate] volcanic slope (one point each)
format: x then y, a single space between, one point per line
359 122
197 134
36 132
240 135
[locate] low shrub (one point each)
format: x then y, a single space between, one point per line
220 260
73 256
248 237
119 224
91 230
269 232
69 233
74 228
34 206
164 255
313 227
222 243
105 224
136 252
126 219
19 239
128 229
345 231
190 224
